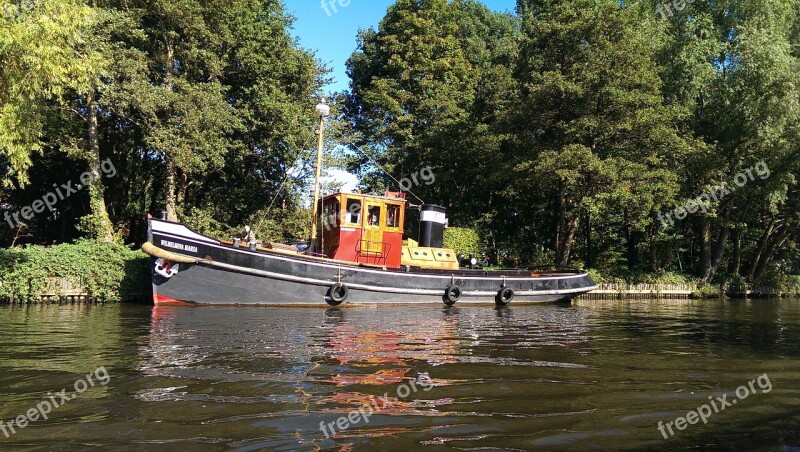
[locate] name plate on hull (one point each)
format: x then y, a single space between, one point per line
179 246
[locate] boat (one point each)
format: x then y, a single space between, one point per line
358 259
359 256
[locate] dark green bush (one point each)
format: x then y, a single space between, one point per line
707 291
105 271
777 283
641 277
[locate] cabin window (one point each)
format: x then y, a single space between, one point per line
353 213
374 218
392 216
330 214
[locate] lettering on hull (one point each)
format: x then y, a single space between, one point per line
179 246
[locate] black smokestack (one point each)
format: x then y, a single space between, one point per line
432 219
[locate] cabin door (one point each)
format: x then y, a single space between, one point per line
372 238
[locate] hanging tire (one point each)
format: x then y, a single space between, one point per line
337 294
504 296
452 294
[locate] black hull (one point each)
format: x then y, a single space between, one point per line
221 274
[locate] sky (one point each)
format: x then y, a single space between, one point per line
329 29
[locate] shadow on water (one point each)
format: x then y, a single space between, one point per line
593 375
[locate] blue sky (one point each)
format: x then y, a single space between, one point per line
332 34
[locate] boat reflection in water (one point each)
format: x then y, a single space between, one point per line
305 366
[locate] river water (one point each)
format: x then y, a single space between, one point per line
593 375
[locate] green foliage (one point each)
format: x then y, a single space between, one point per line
790 285
462 240
209 103
92 226
204 222
105 271
707 291
778 284
733 283
640 277
45 59
290 225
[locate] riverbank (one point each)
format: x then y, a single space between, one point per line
614 291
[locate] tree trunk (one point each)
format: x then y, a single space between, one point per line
651 241
705 248
169 186
717 253
97 201
736 263
184 187
632 247
762 245
772 248
170 182
565 231
713 252
567 239
589 257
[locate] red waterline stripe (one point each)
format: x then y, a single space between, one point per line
164 300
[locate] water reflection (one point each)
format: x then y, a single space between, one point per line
338 360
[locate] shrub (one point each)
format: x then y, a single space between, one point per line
706 291
779 284
640 277
104 271
462 240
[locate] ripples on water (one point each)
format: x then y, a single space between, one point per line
595 375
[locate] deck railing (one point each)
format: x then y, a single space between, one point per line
364 249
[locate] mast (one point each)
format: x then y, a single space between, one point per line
323 110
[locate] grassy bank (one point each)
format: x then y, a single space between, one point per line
107 272
772 284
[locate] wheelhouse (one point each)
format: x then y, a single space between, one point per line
362 228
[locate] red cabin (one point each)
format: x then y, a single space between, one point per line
363 228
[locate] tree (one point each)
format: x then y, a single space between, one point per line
53 60
733 66
429 89
594 133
